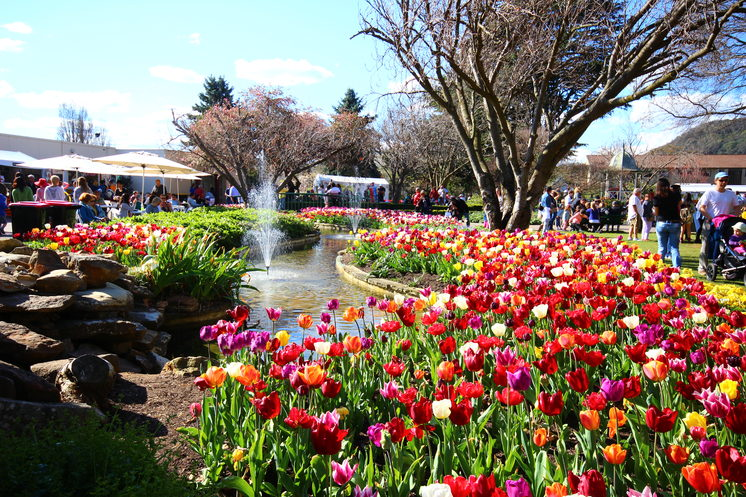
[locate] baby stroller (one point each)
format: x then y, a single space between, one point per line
723 257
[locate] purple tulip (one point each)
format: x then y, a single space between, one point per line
697 356
505 356
371 302
475 323
326 317
208 333
518 488
612 390
333 304
708 447
520 380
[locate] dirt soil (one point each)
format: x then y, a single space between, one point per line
160 403
415 280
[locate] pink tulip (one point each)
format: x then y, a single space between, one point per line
390 390
273 314
342 473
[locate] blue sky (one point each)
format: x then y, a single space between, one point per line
131 63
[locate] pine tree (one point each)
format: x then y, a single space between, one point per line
350 103
217 91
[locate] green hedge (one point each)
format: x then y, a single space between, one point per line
230 224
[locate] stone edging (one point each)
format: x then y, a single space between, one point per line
297 243
378 286
331 227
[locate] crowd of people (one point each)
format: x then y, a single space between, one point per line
571 211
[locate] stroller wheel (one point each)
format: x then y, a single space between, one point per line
712 271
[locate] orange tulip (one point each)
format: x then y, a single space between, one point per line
214 376
677 454
350 314
608 337
419 374
248 375
352 344
616 419
419 304
312 375
446 370
392 307
614 454
702 476
305 321
655 370
540 437
590 420
555 490
566 341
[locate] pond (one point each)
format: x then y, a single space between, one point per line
303 281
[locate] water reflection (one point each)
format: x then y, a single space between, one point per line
303 281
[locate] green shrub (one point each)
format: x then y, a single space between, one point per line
194 265
87 459
229 224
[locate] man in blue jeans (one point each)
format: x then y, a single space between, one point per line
714 203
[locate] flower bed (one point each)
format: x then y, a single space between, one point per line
557 365
377 217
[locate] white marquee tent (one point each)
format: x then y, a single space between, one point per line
355 184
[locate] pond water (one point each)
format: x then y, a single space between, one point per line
303 281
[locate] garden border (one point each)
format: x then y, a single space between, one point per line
380 286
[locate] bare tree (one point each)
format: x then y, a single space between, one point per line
396 158
541 72
264 133
76 126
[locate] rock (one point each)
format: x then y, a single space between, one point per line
86 379
186 366
183 303
49 370
109 298
120 348
126 366
16 259
150 318
147 341
22 250
18 414
9 284
148 361
112 359
43 261
88 348
161 343
28 280
19 302
60 281
8 244
97 271
100 331
20 344
28 386
7 388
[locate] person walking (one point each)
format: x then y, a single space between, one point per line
713 203
548 209
647 216
634 215
667 206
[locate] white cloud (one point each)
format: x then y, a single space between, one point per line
195 38
93 101
43 127
6 89
175 74
149 130
408 85
10 45
18 27
281 72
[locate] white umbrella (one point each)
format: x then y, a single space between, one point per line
14 158
147 163
74 162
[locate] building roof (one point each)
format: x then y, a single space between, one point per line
648 161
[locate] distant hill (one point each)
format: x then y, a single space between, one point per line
713 138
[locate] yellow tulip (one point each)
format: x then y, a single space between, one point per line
695 419
729 388
283 336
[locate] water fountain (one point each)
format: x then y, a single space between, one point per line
265 236
355 214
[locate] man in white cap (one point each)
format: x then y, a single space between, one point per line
715 202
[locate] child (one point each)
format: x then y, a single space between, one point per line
3 207
576 221
737 240
594 217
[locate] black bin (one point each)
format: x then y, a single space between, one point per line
60 212
27 216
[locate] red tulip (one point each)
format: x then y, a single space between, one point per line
551 405
395 367
591 483
735 420
268 406
461 412
660 421
447 346
578 380
632 387
299 418
731 464
326 436
595 401
677 454
509 397
421 411
471 390
331 388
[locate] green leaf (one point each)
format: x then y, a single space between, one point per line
237 483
